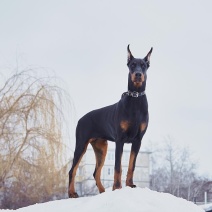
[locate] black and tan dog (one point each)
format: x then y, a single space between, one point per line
124 122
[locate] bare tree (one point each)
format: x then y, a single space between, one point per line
175 172
31 138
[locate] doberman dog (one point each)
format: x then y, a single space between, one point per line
124 122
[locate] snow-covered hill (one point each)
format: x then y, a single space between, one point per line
123 200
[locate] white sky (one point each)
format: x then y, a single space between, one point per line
85 43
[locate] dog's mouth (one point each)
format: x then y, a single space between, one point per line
137 79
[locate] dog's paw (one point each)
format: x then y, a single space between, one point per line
73 195
132 186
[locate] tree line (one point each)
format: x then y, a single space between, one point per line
175 171
32 159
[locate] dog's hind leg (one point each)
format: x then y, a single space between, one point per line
78 154
100 149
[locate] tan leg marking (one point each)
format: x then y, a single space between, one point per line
100 149
129 180
117 180
72 192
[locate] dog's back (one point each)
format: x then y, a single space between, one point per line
97 124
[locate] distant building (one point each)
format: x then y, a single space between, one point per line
207 188
85 183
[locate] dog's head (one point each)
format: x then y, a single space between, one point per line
138 68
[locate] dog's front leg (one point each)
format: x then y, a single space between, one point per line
133 155
118 169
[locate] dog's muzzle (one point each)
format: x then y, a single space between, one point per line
138 76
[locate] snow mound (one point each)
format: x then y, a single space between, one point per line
123 200
207 207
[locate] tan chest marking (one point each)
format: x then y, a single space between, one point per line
124 125
143 126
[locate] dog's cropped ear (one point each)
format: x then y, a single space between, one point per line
147 58
129 54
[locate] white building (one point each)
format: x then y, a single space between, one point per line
85 183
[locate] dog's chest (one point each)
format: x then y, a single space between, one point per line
132 118
131 125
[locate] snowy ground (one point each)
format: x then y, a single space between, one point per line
207 207
123 200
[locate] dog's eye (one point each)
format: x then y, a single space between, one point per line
143 65
133 65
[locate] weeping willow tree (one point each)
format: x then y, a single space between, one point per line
32 150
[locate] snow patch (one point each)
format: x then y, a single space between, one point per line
124 200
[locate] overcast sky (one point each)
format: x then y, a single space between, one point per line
85 43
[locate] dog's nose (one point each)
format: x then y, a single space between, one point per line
138 74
